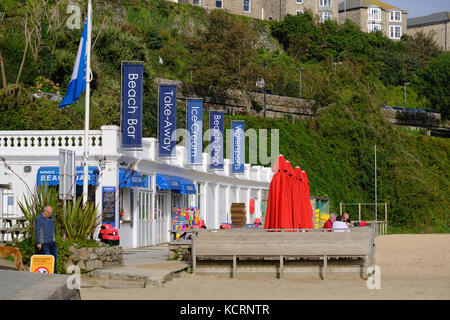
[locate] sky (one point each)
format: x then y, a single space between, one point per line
419 8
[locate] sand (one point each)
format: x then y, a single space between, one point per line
411 267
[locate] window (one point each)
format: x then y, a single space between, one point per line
199 200
246 5
375 14
325 15
395 32
299 11
395 16
160 207
372 27
218 3
325 3
196 2
299 1
145 205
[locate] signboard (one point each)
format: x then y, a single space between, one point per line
216 125
109 205
194 110
238 140
50 176
167 119
42 263
67 174
132 82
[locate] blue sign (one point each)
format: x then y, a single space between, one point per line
50 176
195 128
132 81
167 122
216 125
238 140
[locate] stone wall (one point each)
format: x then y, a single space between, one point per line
179 251
251 103
428 120
239 102
88 259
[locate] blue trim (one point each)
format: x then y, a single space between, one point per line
51 175
176 184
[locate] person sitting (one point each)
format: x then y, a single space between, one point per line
329 223
38 95
346 219
340 225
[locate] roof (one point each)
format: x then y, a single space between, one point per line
355 4
433 18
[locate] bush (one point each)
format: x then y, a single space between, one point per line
28 248
73 224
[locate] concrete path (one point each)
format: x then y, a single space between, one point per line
144 266
15 285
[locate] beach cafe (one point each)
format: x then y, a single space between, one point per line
142 195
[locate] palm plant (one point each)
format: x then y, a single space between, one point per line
34 205
74 221
79 222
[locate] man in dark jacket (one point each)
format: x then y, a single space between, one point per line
45 232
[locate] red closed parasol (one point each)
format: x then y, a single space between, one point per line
307 214
286 213
298 199
288 205
273 201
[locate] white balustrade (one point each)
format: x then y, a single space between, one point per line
47 142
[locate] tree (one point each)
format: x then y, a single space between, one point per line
422 46
224 53
434 83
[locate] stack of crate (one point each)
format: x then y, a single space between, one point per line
238 215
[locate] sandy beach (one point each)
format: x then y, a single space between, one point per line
412 267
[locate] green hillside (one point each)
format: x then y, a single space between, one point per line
347 72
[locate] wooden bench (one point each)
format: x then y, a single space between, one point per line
14 229
315 244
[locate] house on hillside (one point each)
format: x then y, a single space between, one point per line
272 9
435 23
374 15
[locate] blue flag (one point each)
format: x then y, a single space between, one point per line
77 83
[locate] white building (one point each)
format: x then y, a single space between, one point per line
144 187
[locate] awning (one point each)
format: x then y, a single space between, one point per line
130 178
187 186
174 183
51 175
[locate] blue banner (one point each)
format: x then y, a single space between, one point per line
238 140
194 127
167 122
132 81
216 125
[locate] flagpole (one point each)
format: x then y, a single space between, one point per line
87 101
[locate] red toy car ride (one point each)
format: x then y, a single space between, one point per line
109 235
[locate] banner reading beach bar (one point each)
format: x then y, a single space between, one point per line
132 85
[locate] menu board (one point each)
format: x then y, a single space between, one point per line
109 205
